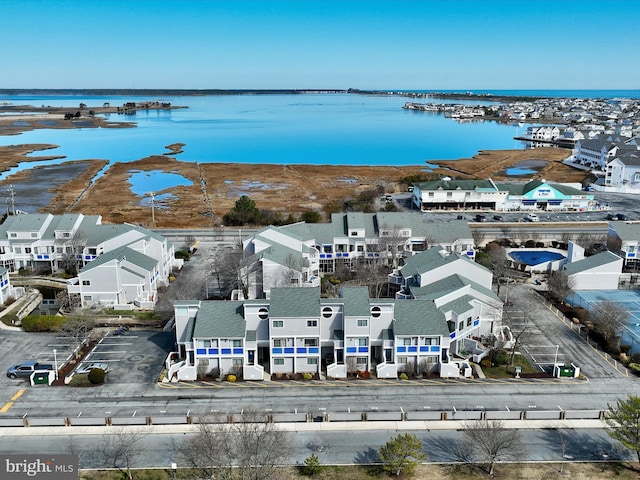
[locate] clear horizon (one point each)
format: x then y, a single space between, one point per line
284 44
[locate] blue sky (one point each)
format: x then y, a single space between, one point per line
367 44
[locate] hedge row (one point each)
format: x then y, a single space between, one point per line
42 323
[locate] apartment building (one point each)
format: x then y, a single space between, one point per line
298 254
117 265
297 331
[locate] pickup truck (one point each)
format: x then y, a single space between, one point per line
25 369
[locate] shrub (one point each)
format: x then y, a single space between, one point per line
231 378
183 254
499 356
80 381
625 349
635 368
403 376
307 376
485 362
97 376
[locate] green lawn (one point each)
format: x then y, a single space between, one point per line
508 371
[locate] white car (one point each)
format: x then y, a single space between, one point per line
93 365
532 217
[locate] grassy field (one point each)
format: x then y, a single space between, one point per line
529 471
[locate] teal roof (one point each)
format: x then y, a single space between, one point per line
449 285
628 232
419 317
421 227
356 301
295 302
28 223
524 188
459 305
485 185
597 260
137 258
220 319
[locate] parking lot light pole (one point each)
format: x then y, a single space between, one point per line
55 362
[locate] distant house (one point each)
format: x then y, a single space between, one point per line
622 174
628 236
463 195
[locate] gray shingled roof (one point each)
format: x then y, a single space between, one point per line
295 302
220 319
628 232
597 260
419 317
325 233
449 285
459 305
356 301
137 258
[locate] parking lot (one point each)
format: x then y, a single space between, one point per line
136 357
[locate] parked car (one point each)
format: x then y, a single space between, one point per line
481 218
612 216
532 217
25 369
498 218
93 365
622 217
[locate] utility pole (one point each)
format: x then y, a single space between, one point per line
12 194
153 209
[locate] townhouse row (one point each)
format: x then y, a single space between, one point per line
445 307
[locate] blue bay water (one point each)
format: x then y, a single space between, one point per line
336 129
333 129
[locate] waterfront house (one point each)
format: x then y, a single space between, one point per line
622 174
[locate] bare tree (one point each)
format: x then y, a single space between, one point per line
189 241
390 242
608 320
252 445
519 323
233 269
560 284
291 272
121 447
478 237
499 264
489 442
77 329
72 253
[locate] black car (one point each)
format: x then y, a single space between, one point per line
481 218
498 218
622 216
612 216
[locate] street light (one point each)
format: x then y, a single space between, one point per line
55 362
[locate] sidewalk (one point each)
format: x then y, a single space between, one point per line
307 427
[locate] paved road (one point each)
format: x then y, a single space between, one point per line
344 445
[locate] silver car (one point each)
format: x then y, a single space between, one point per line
93 365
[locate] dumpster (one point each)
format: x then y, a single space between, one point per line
41 378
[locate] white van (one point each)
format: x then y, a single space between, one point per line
532 217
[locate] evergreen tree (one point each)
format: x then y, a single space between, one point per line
624 420
402 454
